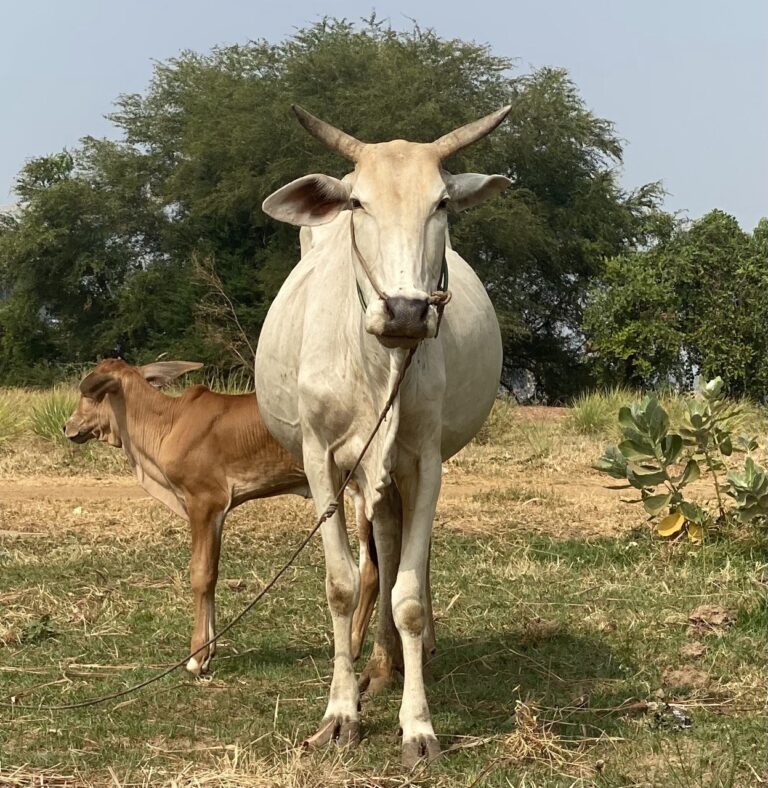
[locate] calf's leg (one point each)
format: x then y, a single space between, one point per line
206 521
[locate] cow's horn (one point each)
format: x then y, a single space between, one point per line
334 138
455 140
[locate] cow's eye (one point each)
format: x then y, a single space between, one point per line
355 203
443 204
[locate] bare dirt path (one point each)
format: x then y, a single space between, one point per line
77 488
85 488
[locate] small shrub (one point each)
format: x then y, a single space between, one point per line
51 409
661 463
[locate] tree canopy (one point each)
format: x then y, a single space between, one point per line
103 252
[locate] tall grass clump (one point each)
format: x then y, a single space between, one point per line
10 417
500 422
49 412
594 413
237 381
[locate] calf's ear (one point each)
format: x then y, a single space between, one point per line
313 199
161 373
96 385
470 188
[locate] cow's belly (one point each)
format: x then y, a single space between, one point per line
277 360
472 353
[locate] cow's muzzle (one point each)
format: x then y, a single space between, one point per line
402 321
76 435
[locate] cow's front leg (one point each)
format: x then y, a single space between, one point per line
206 521
341 721
419 490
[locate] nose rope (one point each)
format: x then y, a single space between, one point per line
437 298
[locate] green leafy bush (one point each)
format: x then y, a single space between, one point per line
661 463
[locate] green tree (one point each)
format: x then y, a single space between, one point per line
213 135
692 304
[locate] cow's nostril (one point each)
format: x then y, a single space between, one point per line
407 311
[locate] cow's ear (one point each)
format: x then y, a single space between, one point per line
313 199
470 188
161 373
96 385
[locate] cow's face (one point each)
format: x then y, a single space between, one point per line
100 411
397 200
93 418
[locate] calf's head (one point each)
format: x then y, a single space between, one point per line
102 389
397 199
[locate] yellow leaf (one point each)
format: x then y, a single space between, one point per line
695 532
671 524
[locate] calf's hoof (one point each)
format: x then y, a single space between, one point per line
197 667
424 747
345 732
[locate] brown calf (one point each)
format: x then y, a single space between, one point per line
201 454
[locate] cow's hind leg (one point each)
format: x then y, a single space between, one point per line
206 521
341 721
387 655
369 577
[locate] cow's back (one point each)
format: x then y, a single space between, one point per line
220 441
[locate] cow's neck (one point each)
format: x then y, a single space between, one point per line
145 417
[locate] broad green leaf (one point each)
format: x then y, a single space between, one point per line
625 419
691 473
658 423
642 480
634 450
671 446
653 504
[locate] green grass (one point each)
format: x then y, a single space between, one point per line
50 410
10 421
595 413
499 424
575 628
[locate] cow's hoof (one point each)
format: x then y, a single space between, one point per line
420 748
345 732
197 668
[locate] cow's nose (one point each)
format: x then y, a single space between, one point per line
407 316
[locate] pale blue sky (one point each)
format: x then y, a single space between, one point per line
685 81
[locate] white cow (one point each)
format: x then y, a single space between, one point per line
331 347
